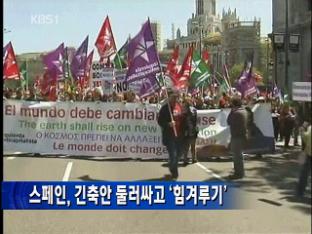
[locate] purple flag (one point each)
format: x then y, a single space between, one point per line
275 91
54 61
78 64
246 83
142 55
149 86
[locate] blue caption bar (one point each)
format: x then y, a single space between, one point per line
117 195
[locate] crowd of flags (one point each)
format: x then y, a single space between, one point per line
138 55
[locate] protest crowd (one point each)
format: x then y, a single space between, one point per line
197 87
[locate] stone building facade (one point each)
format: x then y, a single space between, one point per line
35 66
227 39
299 61
202 24
241 41
156 30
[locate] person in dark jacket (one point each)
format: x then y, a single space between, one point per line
172 130
275 120
237 120
287 123
191 130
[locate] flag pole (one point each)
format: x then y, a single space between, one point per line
165 84
202 89
67 65
27 75
227 75
169 107
110 28
115 51
226 81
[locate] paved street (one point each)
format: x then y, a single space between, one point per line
267 191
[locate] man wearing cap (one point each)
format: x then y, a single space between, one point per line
170 119
237 120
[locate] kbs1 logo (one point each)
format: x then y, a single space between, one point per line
44 19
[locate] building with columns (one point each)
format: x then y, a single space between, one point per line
156 30
227 39
203 22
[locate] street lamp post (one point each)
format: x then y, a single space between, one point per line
200 37
286 47
267 60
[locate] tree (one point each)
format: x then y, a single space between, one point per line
265 57
235 72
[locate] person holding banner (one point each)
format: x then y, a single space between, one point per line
171 118
237 120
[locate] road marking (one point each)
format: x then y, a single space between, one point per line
67 171
10 158
12 153
209 171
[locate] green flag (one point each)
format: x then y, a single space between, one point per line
223 87
222 83
121 58
200 71
24 75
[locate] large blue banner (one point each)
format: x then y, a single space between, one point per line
118 195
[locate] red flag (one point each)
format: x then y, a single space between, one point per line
205 56
105 42
10 68
36 84
172 67
52 97
48 81
185 72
